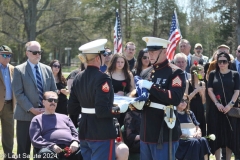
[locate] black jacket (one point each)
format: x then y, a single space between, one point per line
168 88
93 89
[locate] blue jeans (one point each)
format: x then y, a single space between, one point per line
96 150
149 151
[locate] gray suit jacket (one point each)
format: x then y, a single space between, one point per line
25 89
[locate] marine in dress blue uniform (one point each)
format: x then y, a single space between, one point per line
92 96
165 83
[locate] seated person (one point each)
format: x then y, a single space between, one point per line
121 149
132 123
191 144
51 132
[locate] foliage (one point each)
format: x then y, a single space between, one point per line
71 23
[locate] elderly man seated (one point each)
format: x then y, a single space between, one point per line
51 132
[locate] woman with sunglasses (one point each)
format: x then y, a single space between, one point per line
191 145
197 96
122 78
61 84
142 62
223 89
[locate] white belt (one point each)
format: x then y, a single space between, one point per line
88 110
159 106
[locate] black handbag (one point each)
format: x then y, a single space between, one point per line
234 111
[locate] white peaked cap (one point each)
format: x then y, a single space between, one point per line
154 43
94 47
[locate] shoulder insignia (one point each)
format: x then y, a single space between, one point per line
173 66
105 87
177 82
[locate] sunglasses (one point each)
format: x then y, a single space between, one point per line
222 61
36 52
145 57
184 100
198 48
6 55
52 100
56 66
238 51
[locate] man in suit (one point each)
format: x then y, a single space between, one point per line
31 79
185 48
7 100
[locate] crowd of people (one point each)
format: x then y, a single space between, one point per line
188 99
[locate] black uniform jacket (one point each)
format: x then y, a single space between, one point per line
93 89
168 88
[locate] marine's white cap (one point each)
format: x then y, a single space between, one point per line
93 47
154 43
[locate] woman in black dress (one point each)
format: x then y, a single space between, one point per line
192 146
196 92
122 78
225 83
61 84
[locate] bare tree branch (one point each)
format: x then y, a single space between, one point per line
11 36
7 13
42 9
79 28
56 24
19 5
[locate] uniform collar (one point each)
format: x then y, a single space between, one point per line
160 65
92 67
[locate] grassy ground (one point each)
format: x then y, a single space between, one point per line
66 73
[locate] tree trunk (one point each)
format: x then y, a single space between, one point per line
238 22
31 19
155 22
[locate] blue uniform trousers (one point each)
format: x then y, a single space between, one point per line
96 150
149 151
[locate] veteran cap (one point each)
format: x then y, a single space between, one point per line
198 45
5 49
154 43
93 47
223 46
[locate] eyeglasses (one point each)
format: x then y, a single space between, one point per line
52 100
56 66
145 57
108 53
36 52
6 55
184 100
222 61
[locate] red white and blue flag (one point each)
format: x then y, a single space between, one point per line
175 36
117 35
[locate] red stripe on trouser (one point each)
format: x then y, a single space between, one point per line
110 150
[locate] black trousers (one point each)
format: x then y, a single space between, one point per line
23 140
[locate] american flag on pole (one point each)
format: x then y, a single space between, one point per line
175 36
117 35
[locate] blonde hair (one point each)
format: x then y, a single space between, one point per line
86 58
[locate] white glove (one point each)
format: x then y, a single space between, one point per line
123 107
145 84
138 104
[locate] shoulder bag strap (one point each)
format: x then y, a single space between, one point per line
225 100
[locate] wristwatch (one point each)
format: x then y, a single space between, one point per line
231 103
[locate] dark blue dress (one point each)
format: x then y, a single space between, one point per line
191 148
